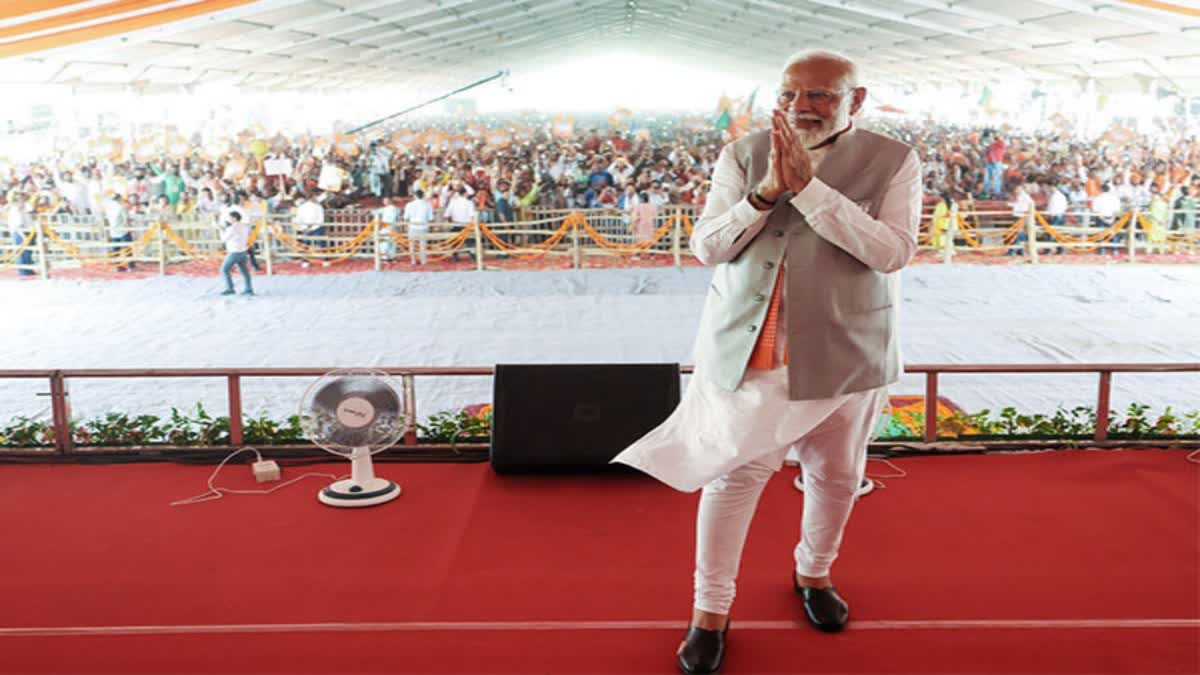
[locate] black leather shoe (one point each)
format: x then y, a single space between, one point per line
703 650
825 609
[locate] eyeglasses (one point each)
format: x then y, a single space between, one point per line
814 96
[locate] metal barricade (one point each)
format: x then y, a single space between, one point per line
63 443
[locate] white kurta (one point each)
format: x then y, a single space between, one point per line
714 431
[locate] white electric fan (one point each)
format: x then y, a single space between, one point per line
355 414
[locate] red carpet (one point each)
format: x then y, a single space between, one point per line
1052 537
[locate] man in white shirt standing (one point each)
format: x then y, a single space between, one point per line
1106 206
230 204
418 214
389 217
116 217
460 211
310 219
235 233
1021 204
806 226
20 225
1056 206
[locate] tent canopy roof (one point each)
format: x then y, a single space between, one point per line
352 44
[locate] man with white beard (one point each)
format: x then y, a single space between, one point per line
806 225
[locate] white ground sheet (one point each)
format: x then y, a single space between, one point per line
951 314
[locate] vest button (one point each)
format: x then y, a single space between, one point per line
760 297
768 265
778 233
752 328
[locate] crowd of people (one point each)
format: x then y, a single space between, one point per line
588 170
1119 171
666 162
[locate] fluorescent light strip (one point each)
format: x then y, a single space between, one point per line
46 14
101 20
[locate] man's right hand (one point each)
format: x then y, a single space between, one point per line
770 187
773 185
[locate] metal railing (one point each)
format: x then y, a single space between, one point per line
62 241
63 439
1034 233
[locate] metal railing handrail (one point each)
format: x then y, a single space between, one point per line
233 375
267 371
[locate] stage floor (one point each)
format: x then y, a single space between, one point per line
1058 562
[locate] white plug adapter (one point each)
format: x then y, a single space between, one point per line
265 470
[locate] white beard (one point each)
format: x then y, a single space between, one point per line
811 138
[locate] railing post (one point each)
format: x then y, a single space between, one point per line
43 250
60 412
951 231
677 234
162 251
1102 405
1031 248
478 251
931 398
267 248
235 410
576 252
1131 237
378 253
409 386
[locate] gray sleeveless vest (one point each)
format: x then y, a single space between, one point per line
840 313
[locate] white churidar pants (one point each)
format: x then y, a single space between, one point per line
729 444
833 460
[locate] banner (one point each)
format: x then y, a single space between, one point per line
278 167
330 178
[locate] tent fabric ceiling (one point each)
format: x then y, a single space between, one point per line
169 45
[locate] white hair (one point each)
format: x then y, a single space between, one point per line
850 70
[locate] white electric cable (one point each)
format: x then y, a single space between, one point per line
897 472
215 492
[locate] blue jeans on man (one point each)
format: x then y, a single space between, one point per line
311 241
504 214
241 259
126 238
1113 247
1018 245
26 257
993 179
1059 221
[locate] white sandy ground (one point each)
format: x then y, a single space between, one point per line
951 314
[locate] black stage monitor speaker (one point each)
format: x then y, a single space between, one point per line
576 417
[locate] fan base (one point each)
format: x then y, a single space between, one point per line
864 488
349 494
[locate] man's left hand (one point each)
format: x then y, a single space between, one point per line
794 170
